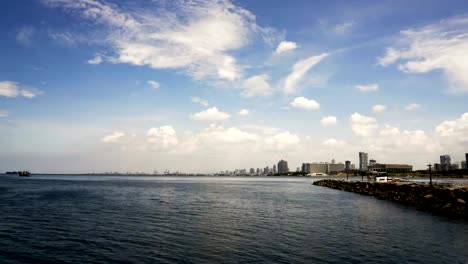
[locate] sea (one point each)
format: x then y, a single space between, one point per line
206 219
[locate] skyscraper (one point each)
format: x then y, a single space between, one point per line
283 167
363 160
347 165
274 168
466 160
445 162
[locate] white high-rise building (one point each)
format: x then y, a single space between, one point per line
363 161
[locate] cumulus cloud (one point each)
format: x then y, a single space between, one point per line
299 71
96 60
304 103
362 125
331 142
282 140
219 135
4 113
379 108
243 112
13 89
200 101
329 121
211 114
153 84
197 37
256 86
455 130
412 106
440 46
163 137
285 46
367 87
114 137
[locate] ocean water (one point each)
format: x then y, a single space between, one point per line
103 219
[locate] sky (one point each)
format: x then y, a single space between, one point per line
208 85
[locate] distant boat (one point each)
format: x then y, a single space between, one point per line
24 173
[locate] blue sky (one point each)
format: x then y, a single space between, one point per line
201 86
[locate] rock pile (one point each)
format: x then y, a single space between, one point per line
446 200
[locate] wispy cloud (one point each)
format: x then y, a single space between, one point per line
243 112
412 106
299 71
194 36
344 27
440 46
4 113
153 84
200 101
24 35
96 60
13 89
367 87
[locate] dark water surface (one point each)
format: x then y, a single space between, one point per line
97 219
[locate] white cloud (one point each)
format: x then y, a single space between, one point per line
13 89
196 37
153 84
329 121
363 125
455 129
219 135
282 141
298 72
331 142
379 108
412 106
115 137
285 46
344 27
439 46
256 86
243 112
4 113
367 87
200 101
211 114
25 35
96 60
163 137
304 103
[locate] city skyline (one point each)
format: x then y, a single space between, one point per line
204 85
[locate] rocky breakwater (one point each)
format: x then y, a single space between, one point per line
445 200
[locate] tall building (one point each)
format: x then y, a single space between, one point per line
335 167
306 168
463 164
319 168
274 168
445 162
347 165
363 160
283 167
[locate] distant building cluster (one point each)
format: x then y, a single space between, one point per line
326 168
447 165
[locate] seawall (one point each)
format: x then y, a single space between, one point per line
449 201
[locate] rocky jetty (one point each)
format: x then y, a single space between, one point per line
446 200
